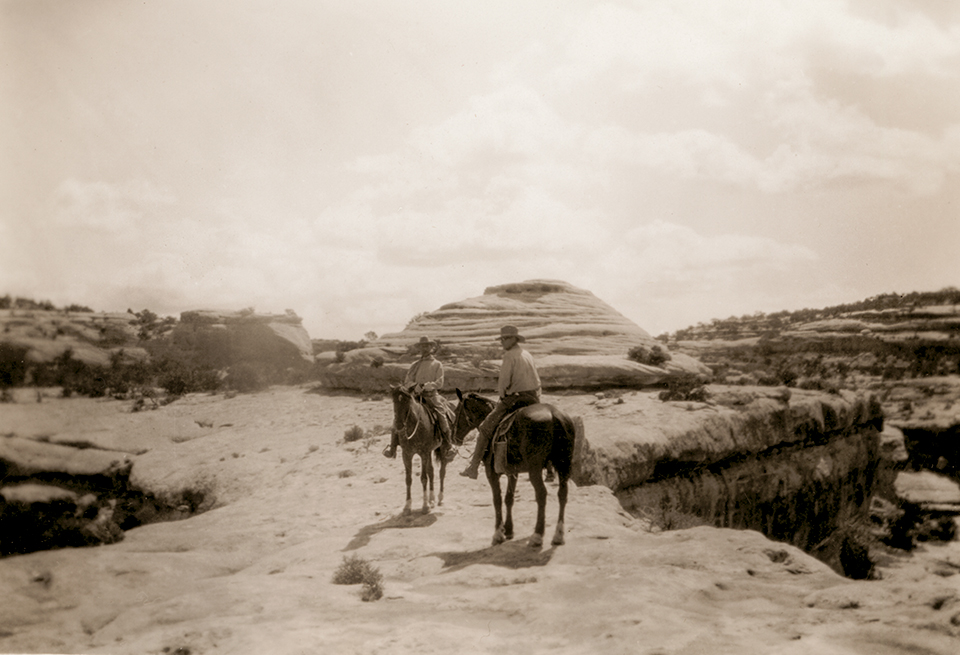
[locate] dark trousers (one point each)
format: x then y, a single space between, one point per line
503 407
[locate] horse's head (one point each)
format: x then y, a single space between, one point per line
401 403
470 413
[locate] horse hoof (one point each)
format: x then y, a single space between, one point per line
558 540
536 541
498 538
425 510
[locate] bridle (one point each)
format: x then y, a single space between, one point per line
416 427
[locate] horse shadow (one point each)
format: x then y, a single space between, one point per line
363 536
509 555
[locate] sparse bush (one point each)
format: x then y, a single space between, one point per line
356 570
352 570
654 356
684 387
372 586
355 433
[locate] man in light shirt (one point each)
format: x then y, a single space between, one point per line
519 386
425 379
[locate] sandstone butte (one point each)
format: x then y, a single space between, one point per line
578 340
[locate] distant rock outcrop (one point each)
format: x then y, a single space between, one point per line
91 337
288 326
579 341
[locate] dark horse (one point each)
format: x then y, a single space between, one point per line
415 426
545 435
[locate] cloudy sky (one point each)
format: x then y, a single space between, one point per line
361 161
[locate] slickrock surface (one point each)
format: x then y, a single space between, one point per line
253 575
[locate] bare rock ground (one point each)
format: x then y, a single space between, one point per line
289 499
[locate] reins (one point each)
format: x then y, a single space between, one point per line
409 410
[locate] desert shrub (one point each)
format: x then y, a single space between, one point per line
355 433
377 362
13 365
178 379
356 570
684 387
352 570
654 356
372 586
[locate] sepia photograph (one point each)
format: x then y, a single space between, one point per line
543 326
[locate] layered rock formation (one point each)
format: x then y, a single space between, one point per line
556 318
795 466
579 341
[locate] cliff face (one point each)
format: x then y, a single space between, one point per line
578 341
794 466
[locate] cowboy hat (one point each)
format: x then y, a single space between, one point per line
510 331
425 341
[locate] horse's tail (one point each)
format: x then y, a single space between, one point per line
564 439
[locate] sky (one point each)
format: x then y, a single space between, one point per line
363 161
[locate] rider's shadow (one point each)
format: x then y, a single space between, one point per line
510 555
362 538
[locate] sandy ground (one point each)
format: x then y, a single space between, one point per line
253 575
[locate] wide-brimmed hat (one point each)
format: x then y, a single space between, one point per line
511 331
426 341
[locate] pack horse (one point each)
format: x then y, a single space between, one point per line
539 434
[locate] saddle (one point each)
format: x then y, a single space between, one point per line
449 411
507 458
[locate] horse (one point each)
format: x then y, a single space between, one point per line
545 435
418 436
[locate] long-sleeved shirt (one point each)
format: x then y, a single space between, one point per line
428 372
518 372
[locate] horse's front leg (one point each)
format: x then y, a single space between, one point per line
540 489
494 480
426 475
511 494
408 473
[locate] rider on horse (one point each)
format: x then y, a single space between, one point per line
425 378
519 386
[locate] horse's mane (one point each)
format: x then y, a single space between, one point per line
486 401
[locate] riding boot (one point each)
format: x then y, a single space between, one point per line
473 468
390 452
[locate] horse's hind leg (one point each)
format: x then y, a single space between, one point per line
443 474
511 494
408 472
562 497
494 480
540 489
